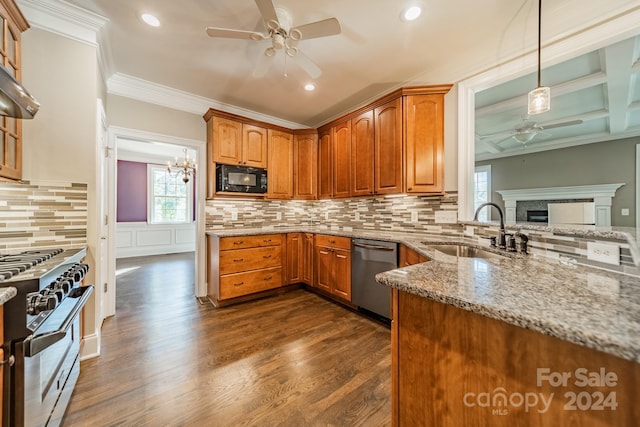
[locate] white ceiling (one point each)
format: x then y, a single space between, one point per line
375 53
601 88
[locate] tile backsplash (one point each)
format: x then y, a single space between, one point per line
405 213
42 215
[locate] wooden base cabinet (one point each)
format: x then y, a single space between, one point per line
452 367
295 257
410 257
333 265
243 266
308 266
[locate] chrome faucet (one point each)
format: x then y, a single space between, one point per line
502 241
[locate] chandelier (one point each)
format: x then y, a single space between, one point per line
187 168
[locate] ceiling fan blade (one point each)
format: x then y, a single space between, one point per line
562 124
263 65
234 34
308 65
492 135
268 12
326 27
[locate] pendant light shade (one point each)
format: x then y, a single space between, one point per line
539 100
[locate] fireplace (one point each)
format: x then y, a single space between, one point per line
538 216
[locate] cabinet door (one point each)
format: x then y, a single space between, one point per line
280 170
342 160
324 268
295 258
254 146
227 141
305 166
362 146
325 165
388 148
307 263
342 273
424 143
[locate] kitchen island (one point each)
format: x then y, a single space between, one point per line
473 339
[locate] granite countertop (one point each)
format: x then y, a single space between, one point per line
582 305
6 294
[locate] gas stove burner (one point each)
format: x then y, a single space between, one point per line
13 264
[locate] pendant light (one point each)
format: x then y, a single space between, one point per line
540 97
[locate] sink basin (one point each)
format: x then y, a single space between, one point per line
465 251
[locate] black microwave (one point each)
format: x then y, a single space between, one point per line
241 179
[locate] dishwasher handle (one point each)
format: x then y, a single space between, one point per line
374 247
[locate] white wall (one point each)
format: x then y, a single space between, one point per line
59 143
143 239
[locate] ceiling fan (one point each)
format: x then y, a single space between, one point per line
283 35
527 130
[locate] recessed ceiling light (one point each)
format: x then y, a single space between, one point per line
411 13
150 20
309 87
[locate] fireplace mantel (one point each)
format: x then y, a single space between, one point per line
602 195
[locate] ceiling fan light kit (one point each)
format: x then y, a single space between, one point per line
539 99
279 27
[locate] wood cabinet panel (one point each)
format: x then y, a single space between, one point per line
388 148
249 259
324 268
308 266
227 141
342 160
333 241
254 146
305 166
424 143
295 257
342 273
362 154
280 161
410 257
242 242
442 355
325 165
240 284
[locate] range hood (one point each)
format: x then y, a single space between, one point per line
15 101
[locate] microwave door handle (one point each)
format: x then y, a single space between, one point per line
35 344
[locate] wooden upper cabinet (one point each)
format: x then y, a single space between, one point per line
388 148
13 24
280 171
362 152
325 165
342 159
254 146
424 143
305 166
235 143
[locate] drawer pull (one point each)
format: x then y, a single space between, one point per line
266 256
238 243
238 284
238 260
332 241
268 278
267 241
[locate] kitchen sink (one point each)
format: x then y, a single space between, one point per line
465 251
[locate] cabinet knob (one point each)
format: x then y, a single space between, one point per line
409 189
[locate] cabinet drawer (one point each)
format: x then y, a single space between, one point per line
250 259
333 241
240 284
242 242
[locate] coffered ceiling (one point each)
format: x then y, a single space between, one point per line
375 53
595 97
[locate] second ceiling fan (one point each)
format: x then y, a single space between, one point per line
284 36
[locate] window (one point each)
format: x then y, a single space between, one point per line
170 199
482 191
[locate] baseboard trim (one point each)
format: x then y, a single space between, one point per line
90 347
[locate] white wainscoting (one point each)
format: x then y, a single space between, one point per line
142 239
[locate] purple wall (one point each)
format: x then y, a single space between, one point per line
132 192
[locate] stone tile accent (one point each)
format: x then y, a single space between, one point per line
42 214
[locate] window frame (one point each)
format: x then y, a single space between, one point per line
151 168
480 169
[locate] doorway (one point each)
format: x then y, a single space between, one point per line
119 137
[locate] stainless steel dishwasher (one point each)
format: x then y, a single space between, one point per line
368 258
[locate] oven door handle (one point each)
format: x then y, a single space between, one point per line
35 344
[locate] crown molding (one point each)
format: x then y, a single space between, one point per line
153 93
64 19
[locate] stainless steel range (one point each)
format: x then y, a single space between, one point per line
42 334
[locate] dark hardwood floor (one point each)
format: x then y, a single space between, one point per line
295 359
